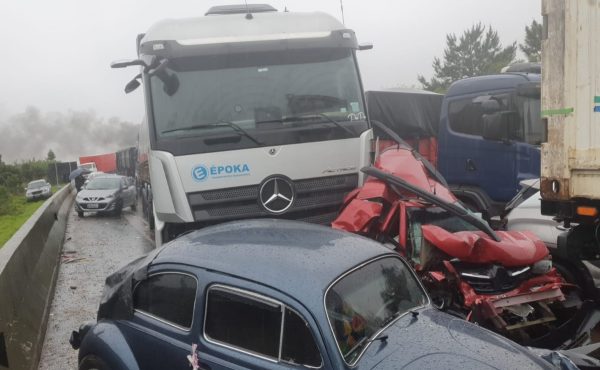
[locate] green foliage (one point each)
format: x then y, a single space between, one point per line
51 156
532 47
19 211
5 203
476 53
14 177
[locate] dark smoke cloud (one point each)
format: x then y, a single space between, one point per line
32 133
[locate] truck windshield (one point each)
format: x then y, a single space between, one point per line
274 97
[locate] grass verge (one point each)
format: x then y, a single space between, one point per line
22 210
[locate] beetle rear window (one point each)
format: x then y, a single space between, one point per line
169 297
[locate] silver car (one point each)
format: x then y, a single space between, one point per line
38 189
106 194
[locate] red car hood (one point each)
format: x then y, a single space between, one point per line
516 248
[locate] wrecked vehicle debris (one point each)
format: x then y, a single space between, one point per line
503 280
205 300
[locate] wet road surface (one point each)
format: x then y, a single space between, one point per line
94 247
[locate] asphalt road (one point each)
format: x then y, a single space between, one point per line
94 247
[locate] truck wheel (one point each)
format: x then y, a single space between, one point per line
151 216
80 214
118 208
92 362
134 206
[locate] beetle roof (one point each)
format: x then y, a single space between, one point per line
290 256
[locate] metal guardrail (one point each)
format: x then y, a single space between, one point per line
28 271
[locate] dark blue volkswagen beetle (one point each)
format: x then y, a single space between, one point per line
273 294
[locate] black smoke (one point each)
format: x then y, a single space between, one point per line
32 134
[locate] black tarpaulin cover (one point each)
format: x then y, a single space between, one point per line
117 297
410 113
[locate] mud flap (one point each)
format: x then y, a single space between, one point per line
3 353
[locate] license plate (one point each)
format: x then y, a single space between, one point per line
92 205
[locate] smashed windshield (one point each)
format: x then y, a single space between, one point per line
366 300
261 93
435 216
103 183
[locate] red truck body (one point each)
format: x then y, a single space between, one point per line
104 162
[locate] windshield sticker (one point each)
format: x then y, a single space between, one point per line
355 107
360 116
202 173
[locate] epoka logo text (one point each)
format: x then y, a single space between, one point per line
201 173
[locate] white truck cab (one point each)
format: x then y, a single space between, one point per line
250 113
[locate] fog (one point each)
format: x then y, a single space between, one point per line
56 55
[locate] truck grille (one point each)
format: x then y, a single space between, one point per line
317 201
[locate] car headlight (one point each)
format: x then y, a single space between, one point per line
542 267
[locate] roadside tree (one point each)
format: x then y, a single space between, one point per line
476 52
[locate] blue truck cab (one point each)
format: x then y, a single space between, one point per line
489 138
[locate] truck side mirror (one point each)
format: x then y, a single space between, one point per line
490 106
495 126
502 126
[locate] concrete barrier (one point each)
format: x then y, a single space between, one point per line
28 270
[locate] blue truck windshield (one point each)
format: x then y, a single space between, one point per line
262 94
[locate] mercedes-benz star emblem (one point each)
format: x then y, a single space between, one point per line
277 194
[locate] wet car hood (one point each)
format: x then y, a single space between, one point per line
435 340
96 193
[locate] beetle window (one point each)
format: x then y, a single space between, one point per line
298 345
243 322
255 324
169 297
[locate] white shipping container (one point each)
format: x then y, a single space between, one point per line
571 99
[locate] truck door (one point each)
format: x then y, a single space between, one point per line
466 158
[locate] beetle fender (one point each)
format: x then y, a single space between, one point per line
107 342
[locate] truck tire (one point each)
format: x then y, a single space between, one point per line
134 206
151 216
92 362
118 208
80 214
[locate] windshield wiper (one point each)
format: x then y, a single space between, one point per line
308 119
232 125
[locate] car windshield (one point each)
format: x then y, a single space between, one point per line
36 184
435 216
367 299
103 183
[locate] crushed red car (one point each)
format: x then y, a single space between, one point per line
502 280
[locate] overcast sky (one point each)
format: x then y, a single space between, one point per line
56 53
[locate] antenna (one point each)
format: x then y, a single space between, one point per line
248 14
342 7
